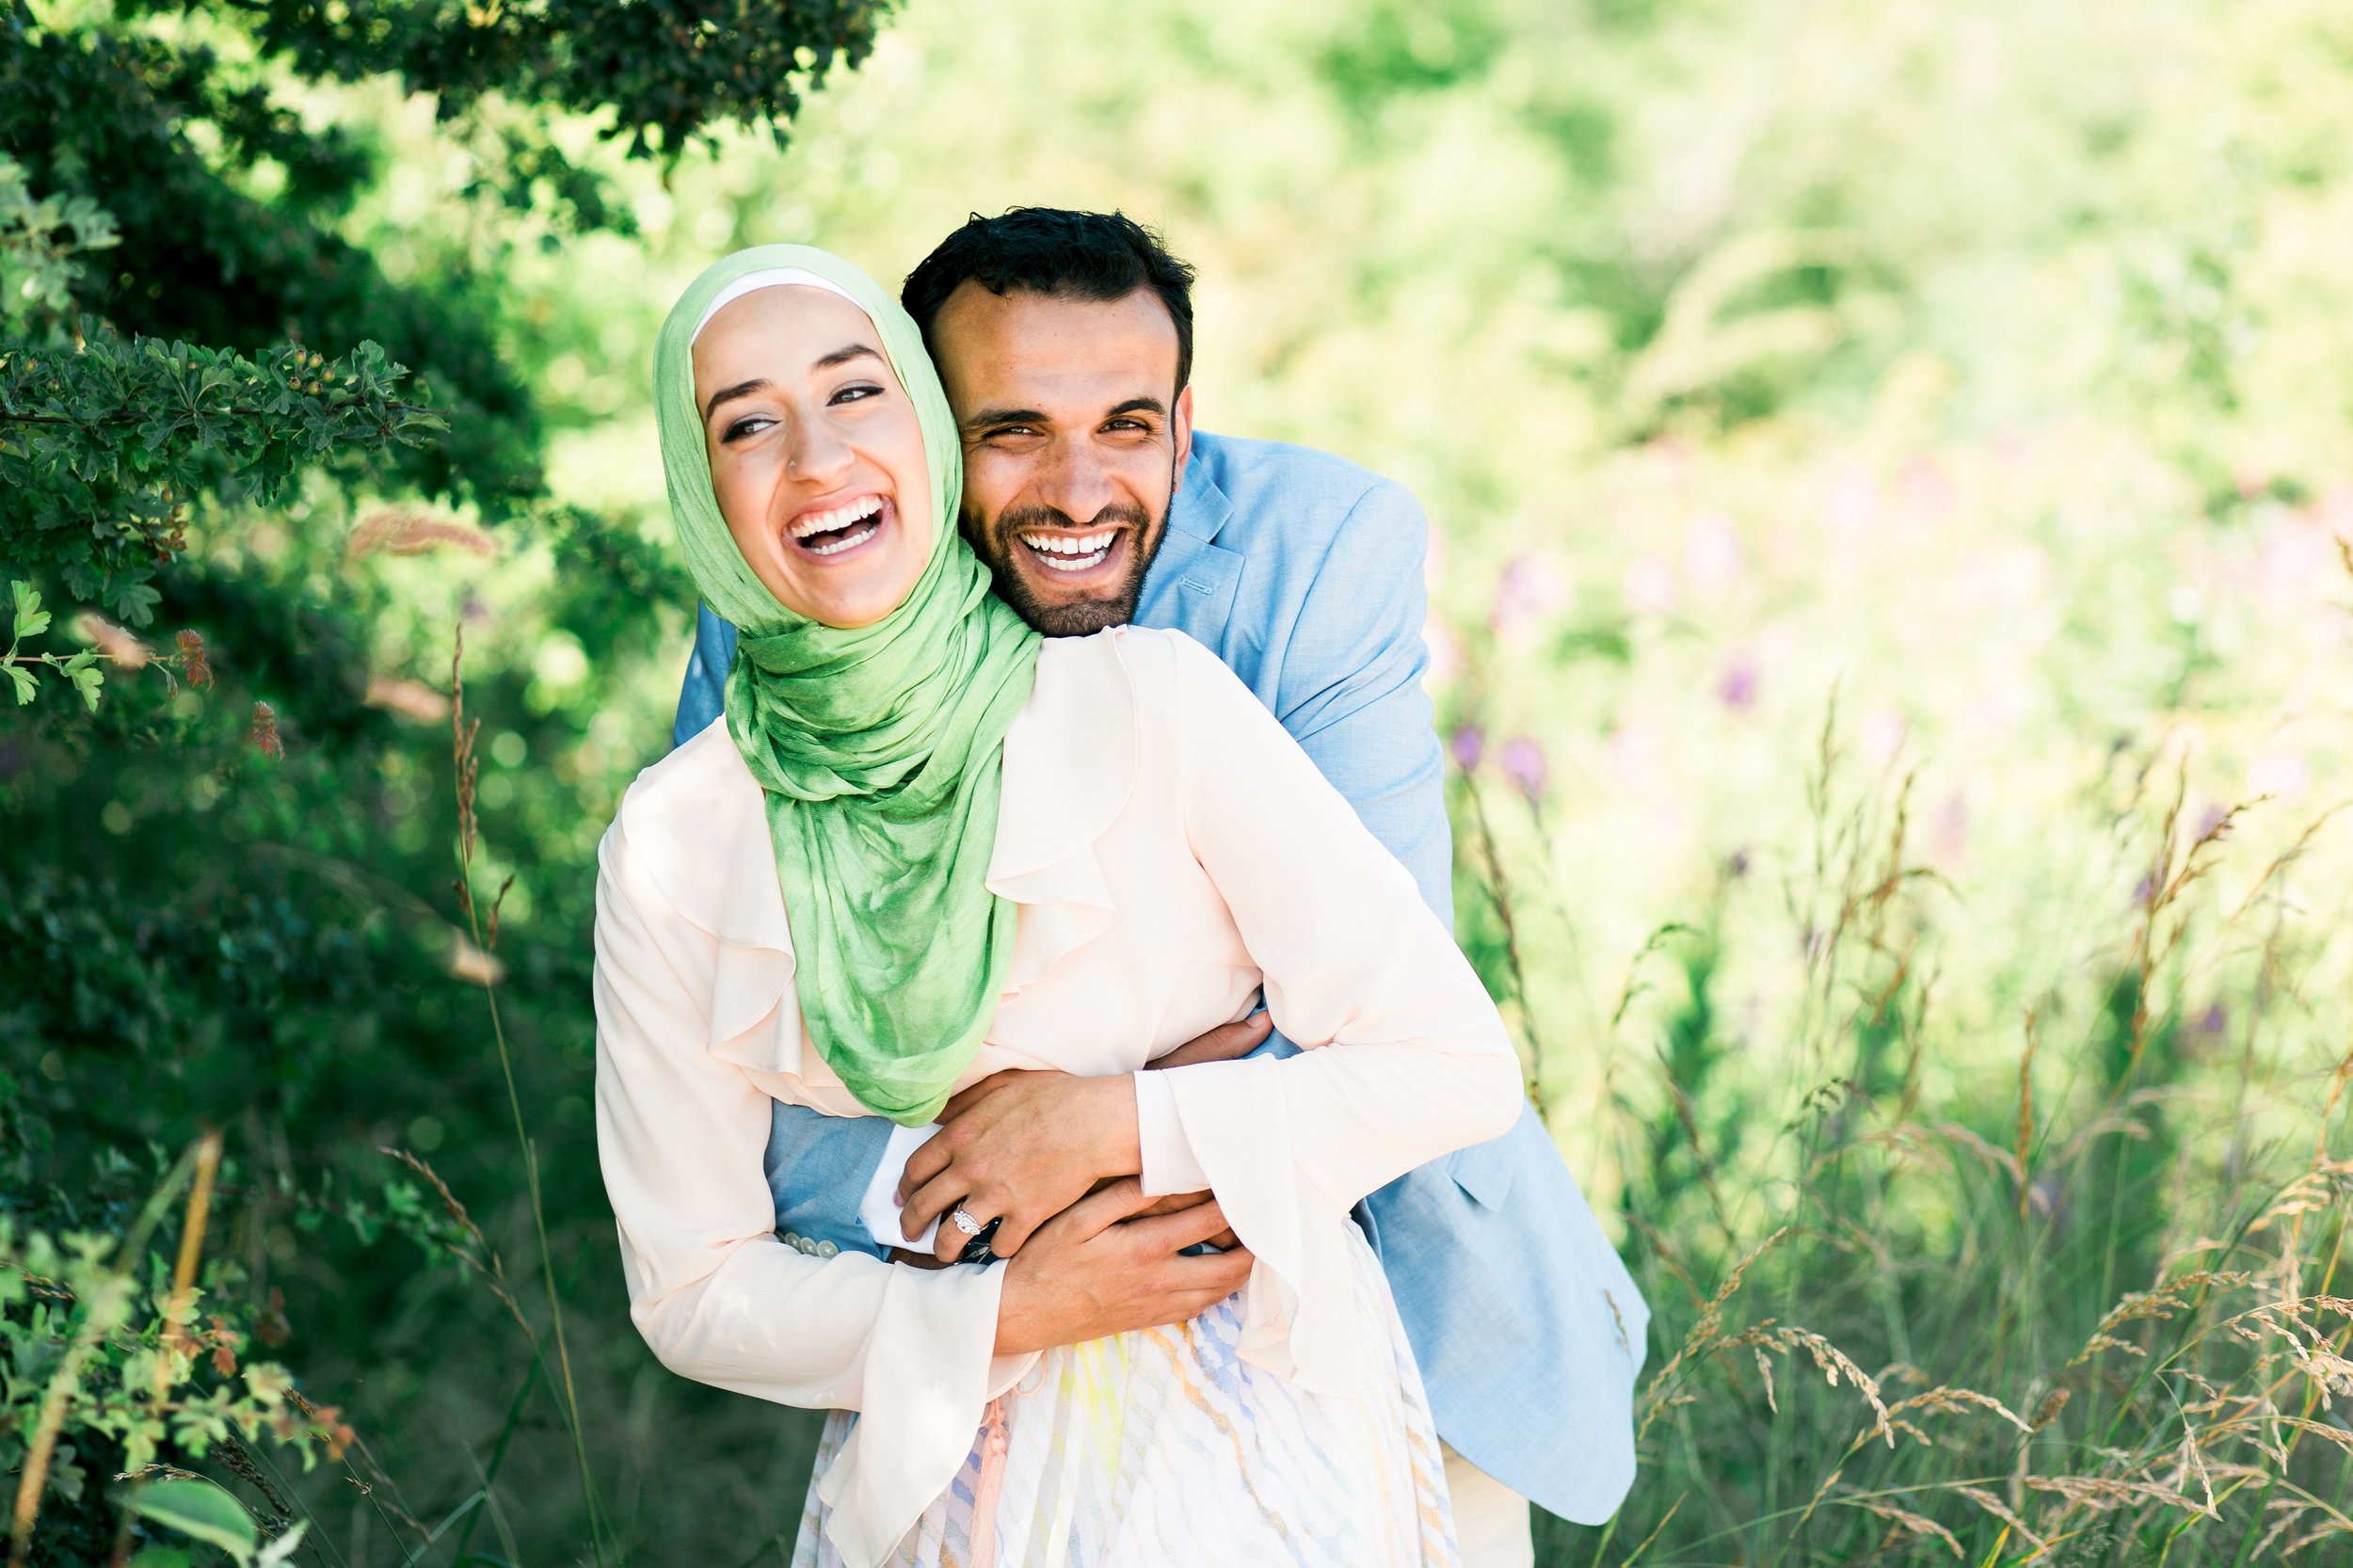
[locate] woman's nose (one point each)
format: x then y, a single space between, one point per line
819 453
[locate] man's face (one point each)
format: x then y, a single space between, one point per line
1074 438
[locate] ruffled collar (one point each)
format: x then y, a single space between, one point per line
699 828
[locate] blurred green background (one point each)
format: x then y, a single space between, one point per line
1890 466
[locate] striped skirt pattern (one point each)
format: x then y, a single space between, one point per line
1163 1447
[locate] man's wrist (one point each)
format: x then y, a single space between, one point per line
1120 1151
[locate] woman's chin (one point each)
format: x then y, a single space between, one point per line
847 601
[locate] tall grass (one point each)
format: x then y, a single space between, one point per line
2091 1313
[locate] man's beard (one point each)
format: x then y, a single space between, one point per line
1072 617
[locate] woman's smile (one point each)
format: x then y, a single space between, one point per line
834 528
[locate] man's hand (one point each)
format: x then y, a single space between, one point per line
1018 1147
1103 1267
1225 1043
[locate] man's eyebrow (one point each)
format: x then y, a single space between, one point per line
985 418
728 394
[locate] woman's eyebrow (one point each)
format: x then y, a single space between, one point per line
728 394
841 356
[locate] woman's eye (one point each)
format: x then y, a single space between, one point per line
856 392
749 424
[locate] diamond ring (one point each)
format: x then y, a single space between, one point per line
965 1223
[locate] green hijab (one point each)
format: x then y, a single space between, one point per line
880 750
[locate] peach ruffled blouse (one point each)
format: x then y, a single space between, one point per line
1174 855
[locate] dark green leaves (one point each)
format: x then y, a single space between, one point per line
105 448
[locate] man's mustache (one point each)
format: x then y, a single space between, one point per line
1041 520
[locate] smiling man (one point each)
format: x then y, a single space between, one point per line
1064 341
1071 459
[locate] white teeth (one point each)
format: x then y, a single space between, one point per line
1069 552
837 546
840 517
1066 544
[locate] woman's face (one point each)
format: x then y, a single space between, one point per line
816 454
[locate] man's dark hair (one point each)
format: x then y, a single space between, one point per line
1051 250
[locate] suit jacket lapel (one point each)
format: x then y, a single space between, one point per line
1191 584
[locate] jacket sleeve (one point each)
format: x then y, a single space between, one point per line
1351 691
1404 1055
702 697
717 1296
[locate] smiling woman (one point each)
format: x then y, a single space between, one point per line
812 441
993 852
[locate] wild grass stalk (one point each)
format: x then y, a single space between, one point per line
483 932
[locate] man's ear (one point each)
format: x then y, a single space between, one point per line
1180 426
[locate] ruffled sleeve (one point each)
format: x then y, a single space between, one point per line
680 1131
1414 1060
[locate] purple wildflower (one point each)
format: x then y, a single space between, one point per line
1468 745
1527 592
1737 687
1524 765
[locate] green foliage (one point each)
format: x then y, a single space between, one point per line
31 621
202 1511
111 114
107 445
101 1346
38 242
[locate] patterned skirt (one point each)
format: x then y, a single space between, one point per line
1164 1446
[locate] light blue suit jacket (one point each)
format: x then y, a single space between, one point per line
1304 574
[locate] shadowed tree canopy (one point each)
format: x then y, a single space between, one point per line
163 115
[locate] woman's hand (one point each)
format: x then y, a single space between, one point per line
1111 1264
1019 1147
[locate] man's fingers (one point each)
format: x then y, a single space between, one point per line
1171 1232
1099 1210
1225 1043
1207 1279
1172 1203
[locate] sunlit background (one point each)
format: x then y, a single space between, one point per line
1890 466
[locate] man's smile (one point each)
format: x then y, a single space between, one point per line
1077 556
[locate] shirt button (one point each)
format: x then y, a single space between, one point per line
790 1239
827 1248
